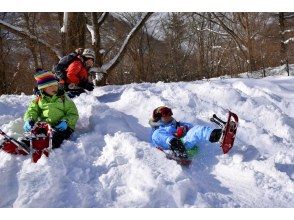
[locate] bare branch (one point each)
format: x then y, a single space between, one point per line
236 38
289 16
289 40
114 61
96 42
102 18
24 34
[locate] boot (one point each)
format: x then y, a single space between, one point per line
215 135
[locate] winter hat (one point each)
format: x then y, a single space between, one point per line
45 79
161 111
89 53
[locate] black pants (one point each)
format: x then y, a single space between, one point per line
59 136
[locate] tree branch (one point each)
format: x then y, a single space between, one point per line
114 61
235 37
102 18
26 35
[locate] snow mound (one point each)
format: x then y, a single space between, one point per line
109 161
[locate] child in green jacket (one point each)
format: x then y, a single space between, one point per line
52 106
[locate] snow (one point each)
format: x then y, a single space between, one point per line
91 30
65 23
270 71
289 40
109 161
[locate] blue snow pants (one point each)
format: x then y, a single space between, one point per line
197 134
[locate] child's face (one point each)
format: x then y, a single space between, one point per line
51 90
89 63
166 119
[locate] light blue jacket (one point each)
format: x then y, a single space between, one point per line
162 134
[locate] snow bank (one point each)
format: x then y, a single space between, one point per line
109 161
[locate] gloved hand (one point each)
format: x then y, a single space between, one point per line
28 125
178 147
62 126
87 85
181 131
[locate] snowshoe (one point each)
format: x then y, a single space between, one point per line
12 146
229 130
181 160
40 140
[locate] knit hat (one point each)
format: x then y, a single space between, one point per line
45 79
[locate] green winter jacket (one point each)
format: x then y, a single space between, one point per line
52 110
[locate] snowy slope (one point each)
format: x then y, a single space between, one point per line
109 161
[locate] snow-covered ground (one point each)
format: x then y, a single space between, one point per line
109 161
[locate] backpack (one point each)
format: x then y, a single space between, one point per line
60 68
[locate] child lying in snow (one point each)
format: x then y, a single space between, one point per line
168 134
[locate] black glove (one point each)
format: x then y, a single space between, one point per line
87 85
178 148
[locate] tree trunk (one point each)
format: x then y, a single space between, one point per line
63 41
115 60
3 89
249 41
75 36
34 47
283 50
97 43
30 37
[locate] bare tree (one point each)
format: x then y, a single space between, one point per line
30 37
283 50
181 46
107 67
97 20
30 23
3 89
137 52
239 27
74 36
